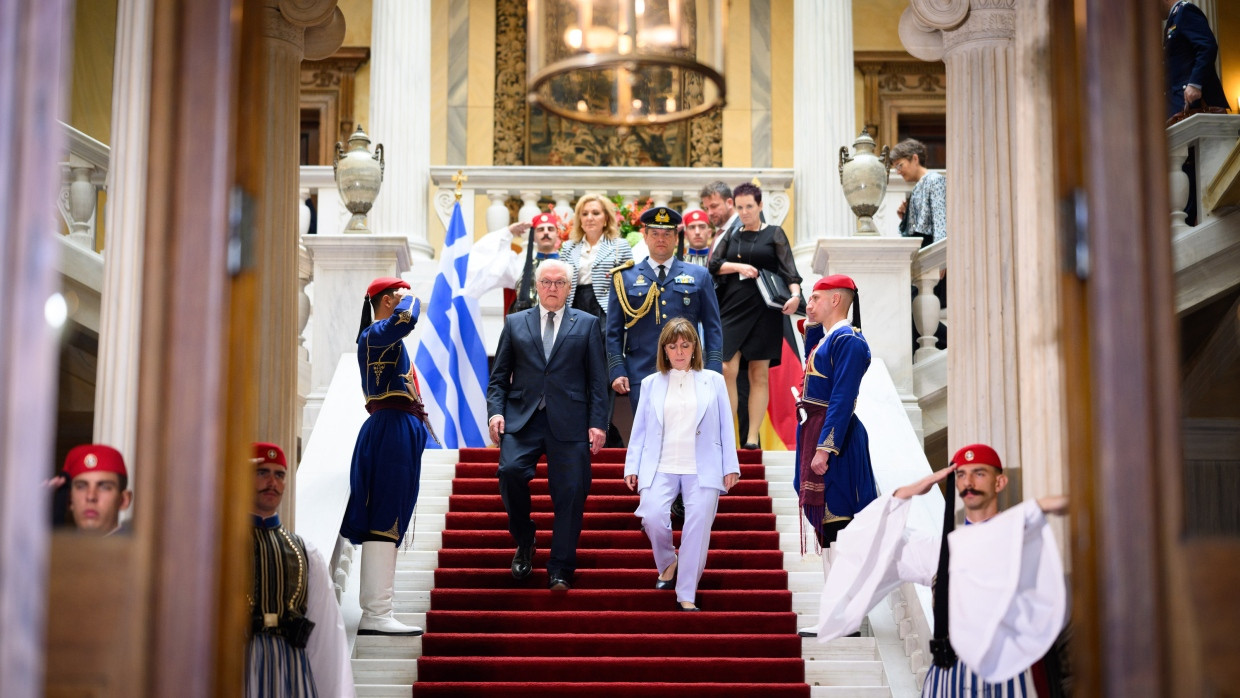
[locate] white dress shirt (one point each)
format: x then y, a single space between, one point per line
678 456
585 263
542 320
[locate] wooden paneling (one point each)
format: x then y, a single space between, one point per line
181 398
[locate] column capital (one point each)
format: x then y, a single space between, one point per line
931 29
306 13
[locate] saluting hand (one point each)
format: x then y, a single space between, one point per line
923 485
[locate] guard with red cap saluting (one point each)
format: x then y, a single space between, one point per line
98 488
834 477
387 459
1000 598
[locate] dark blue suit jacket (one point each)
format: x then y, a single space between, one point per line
1189 50
574 379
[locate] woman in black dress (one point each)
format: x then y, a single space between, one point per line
750 328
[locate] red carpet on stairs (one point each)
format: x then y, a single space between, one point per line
612 634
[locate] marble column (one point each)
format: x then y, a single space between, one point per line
823 118
400 92
1043 421
292 30
116 387
975 40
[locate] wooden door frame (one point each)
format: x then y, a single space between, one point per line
1147 601
33 80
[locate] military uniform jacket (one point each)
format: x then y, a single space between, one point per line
381 354
686 291
834 367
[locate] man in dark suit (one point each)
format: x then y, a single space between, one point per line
1189 51
548 395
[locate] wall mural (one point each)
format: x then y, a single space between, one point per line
526 135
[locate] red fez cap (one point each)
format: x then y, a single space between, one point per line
95 458
382 284
548 218
977 454
834 281
697 215
269 453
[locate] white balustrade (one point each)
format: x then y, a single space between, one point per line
928 267
563 185
84 174
1210 138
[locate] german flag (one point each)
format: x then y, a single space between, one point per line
779 428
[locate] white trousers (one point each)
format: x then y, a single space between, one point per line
655 511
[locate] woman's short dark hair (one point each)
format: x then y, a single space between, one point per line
907 148
748 189
675 330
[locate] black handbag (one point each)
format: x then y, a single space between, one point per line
775 291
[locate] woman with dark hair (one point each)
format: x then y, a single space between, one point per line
750 328
682 444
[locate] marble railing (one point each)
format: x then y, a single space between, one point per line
929 265
563 185
1210 137
84 175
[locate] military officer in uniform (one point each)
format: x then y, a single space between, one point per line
647 295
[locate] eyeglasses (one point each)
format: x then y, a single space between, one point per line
547 283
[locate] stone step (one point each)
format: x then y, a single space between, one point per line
846 692
381 647
840 649
382 690
845 673
385 671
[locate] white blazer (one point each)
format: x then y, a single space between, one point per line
715 447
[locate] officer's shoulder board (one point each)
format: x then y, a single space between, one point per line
627 265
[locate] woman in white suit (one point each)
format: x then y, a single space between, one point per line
682 443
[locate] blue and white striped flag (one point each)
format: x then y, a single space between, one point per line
451 359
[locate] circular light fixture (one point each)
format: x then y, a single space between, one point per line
626 62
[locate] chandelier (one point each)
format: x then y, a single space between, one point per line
626 62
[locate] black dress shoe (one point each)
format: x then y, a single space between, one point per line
663 584
558 582
522 561
751 446
689 609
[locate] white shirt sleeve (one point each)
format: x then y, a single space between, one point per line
328 647
1007 599
492 264
874 554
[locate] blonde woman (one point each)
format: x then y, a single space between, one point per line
682 443
594 247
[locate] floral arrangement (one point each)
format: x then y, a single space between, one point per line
629 219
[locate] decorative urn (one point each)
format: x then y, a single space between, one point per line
864 178
358 176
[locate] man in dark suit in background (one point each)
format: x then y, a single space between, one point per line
548 395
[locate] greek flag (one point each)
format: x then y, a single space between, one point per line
451 359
